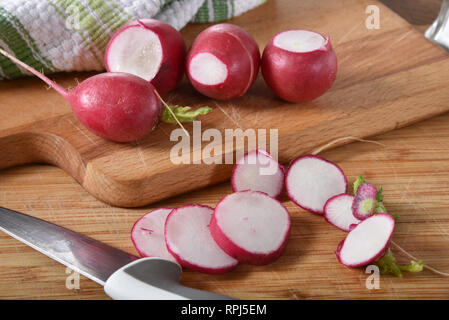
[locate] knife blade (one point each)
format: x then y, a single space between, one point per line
123 275
91 258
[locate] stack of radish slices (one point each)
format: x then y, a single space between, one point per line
251 226
248 226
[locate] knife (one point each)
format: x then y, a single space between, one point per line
123 275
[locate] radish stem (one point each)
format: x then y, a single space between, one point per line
336 141
51 83
172 113
444 274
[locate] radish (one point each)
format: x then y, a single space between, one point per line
223 62
148 234
150 49
258 171
312 180
364 201
338 211
115 106
189 240
299 65
251 226
367 242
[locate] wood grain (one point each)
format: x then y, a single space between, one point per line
374 82
413 168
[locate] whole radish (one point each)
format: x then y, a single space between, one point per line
150 49
223 62
299 65
119 107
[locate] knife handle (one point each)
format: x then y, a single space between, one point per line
153 279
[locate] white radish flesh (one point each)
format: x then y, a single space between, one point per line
189 240
251 226
311 181
148 234
258 171
367 242
338 211
150 49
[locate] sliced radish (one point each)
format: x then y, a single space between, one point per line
189 240
299 65
148 236
150 49
311 181
223 62
367 242
338 211
258 171
365 201
251 226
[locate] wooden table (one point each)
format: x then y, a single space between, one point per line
413 168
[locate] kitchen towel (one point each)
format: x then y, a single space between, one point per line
71 35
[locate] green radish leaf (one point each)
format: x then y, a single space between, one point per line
359 181
183 114
387 265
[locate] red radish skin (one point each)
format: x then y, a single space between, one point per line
299 65
150 49
223 62
148 234
258 171
338 212
189 240
366 242
119 107
251 227
311 180
116 106
364 201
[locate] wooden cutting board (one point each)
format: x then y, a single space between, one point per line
388 78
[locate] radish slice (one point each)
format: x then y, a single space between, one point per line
365 201
251 226
148 236
367 242
150 49
312 180
189 240
338 211
258 171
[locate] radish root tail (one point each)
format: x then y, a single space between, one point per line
402 250
343 139
38 74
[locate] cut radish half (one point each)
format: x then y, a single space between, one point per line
189 240
312 180
258 171
365 201
299 65
223 62
148 236
338 211
150 49
367 242
251 226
